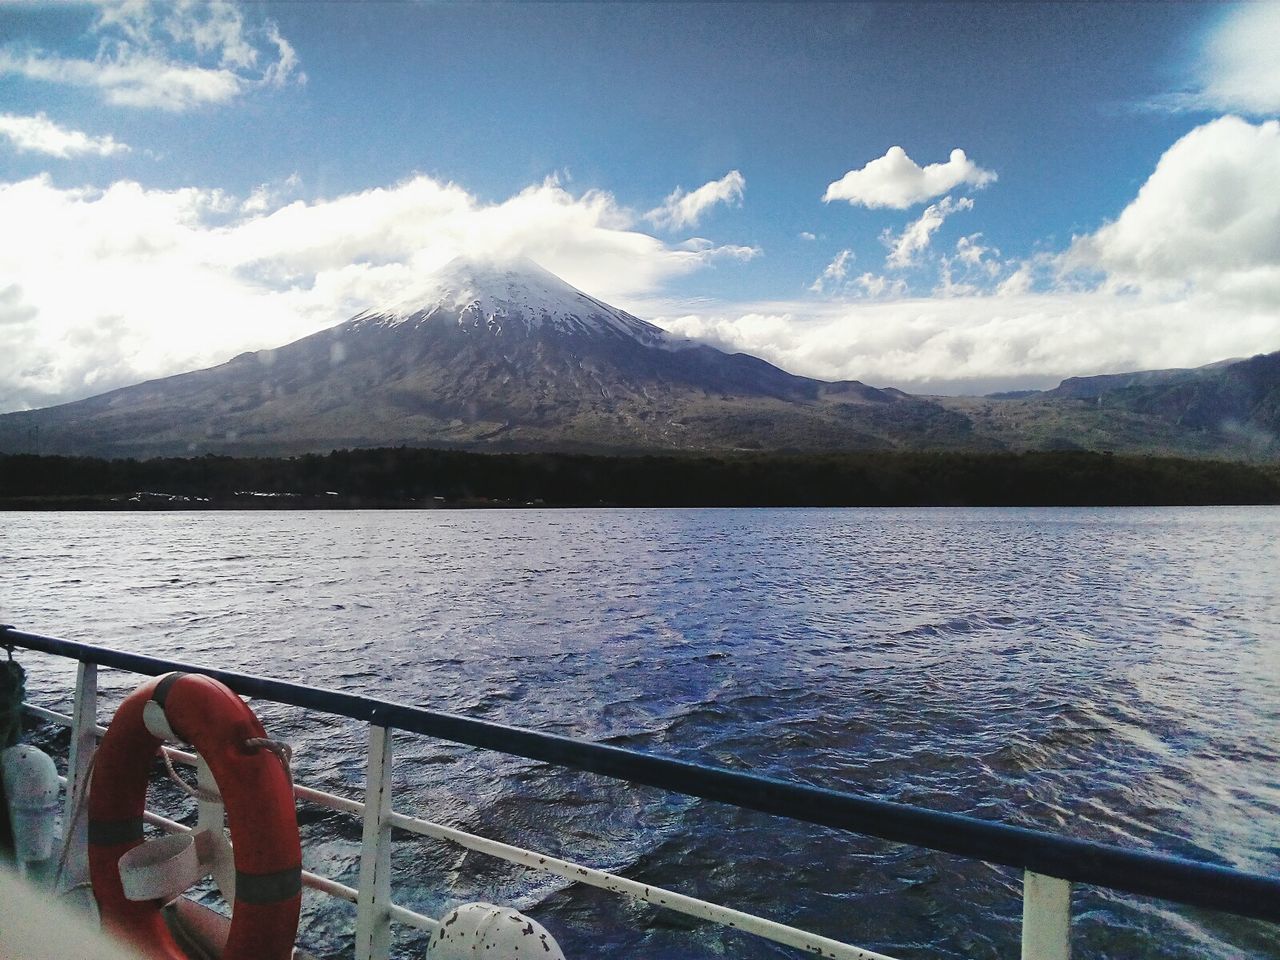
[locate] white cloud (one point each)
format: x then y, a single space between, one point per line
878 287
973 268
170 280
39 134
680 209
1239 67
712 250
266 196
284 69
897 181
169 56
835 282
834 272
972 253
1207 220
917 235
1019 282
837 268
806 235
129 79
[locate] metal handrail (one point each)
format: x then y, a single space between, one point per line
530 859
1162 876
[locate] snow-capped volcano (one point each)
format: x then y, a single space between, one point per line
506 356
496 296
483 355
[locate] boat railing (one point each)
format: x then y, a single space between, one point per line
1050 863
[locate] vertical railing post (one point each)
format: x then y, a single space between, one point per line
1046 918
84 742
373 918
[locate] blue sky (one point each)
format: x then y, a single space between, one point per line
195 179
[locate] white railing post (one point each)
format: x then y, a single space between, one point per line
84 742
373 908
1046 917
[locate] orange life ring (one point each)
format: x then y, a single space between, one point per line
260 810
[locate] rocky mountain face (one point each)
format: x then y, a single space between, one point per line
1228 409
1242 397
1087 388
486 356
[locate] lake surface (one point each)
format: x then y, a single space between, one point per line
1111 674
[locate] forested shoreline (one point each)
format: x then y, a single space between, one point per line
423 478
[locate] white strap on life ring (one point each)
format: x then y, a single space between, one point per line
163 869
160 869
212 843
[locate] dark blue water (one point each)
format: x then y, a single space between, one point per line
1110 674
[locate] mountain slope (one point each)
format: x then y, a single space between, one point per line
486 356
1226 409
1087 388
1243 397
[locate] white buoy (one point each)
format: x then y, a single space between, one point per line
31 793
495 933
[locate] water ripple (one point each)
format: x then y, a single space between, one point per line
1114 674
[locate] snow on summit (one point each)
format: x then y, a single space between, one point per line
495 295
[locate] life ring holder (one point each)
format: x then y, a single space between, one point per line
256 790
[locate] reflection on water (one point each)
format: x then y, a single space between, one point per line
1114 674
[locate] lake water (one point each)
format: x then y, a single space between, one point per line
1111 674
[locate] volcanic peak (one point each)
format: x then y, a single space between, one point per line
515 295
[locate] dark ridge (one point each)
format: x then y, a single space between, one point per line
1013 394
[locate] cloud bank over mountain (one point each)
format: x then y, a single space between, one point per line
167 280
111 286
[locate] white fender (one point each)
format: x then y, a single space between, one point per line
31 793
495 933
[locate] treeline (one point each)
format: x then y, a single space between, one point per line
422 477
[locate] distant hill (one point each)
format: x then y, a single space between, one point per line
508 357
1087 388
1226 409
1240 398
